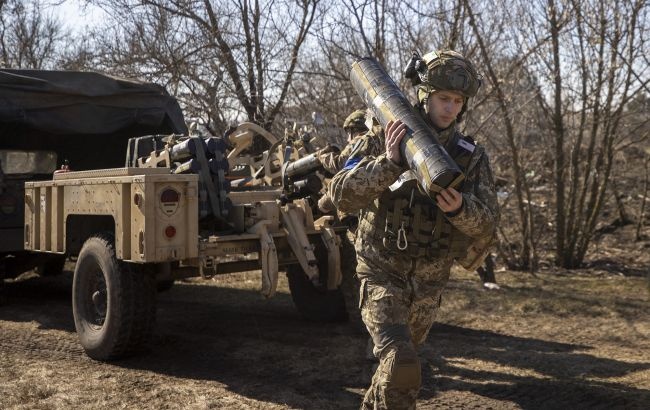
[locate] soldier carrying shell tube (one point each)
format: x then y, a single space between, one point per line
406 241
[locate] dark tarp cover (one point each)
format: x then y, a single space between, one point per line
85 117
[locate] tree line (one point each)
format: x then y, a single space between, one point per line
564 109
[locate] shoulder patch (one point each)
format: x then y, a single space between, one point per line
467 145
351 163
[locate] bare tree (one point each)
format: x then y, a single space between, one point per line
554 110
607 42
508 117
387 31
28 37
226 58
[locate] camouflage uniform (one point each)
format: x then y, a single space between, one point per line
400 293
332 162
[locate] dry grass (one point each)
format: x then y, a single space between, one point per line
578 339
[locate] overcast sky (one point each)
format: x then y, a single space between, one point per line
76 17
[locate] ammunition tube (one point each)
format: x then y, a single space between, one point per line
184 149
420 148
303 166
309 185
191 166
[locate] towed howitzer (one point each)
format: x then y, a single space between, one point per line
434 168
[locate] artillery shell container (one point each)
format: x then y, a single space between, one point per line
185 149
434 168
299 178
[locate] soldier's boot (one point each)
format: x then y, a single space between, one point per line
397 380
486 273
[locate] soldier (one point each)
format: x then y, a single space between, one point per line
355 126
401 286
486 274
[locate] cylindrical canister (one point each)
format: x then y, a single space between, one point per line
303 166
184 149
191 166
420 148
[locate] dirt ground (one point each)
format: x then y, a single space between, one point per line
563 339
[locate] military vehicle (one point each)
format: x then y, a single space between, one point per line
181 205
48 118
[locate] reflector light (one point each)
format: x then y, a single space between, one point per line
169 195
170 201
170 231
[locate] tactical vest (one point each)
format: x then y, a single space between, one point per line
413 222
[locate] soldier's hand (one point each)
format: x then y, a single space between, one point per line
449 200
395 131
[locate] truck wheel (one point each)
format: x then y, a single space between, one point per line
316 303
113 303
350 283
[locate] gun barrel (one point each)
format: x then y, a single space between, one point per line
420 148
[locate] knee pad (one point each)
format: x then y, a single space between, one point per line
405 372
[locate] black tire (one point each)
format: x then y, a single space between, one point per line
316 303
350 283
113 303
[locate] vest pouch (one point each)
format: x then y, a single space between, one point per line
477 251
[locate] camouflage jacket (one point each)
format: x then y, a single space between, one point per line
334 161
367 175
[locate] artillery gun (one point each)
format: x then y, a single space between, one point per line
184 205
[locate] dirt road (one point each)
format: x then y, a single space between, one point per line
579 340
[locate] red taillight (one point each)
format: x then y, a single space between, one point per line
169 200
170 232
170 195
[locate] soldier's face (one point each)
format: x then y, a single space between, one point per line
444 107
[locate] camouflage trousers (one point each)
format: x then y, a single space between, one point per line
350 283
398 308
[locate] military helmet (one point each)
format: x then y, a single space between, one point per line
356 121
443 70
